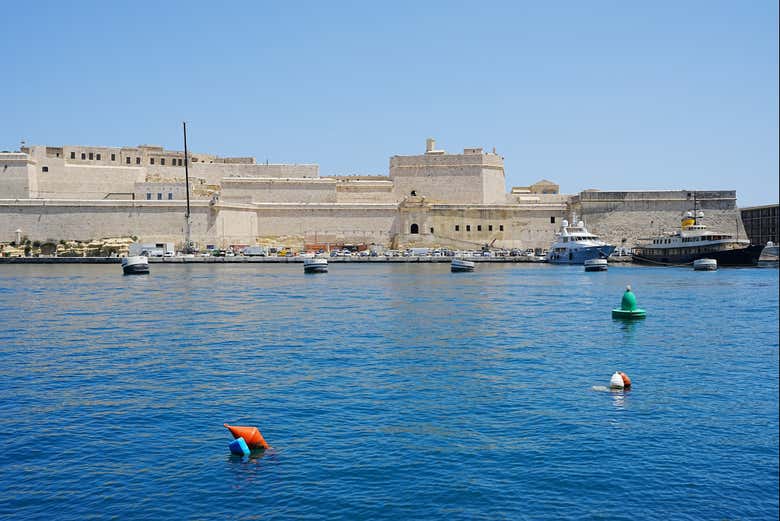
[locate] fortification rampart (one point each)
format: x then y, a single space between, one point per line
84 221
623 218
267 190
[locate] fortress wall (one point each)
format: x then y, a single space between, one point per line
213 173
329 223
18 176
622 218
86 182
493 186
523 227
445 160
150 221
456 185
365 192
279 190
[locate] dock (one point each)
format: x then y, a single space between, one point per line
259 260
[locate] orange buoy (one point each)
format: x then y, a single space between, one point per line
626 379
251 435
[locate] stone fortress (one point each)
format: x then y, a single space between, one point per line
431 199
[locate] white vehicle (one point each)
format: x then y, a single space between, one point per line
254 251
157 249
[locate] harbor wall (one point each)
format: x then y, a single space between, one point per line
622 217
150 221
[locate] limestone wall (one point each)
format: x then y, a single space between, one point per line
151 221
493 186
365 191
213 173
470 178
86 182
266 190
18 176
471 226
622 218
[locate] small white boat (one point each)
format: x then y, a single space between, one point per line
315 265
705 265
596 265
461 265
135 265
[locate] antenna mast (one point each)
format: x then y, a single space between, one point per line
187 239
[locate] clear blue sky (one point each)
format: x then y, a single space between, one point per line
609 95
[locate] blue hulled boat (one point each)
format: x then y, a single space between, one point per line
575 245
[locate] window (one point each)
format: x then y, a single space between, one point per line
113 157
73 155
45 169
414 229
128 160
431 230
159 196
414 193
151 160
457 227
148 196
468 227
490 227
83 156
137 160
98 157
91 156
552 219
170 196
501 227
179 162
162 161
479 227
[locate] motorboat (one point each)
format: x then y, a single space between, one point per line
135 265
575 245
315 265
769 256
596 265
459 265
694 241
705 265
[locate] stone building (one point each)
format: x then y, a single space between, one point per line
430 199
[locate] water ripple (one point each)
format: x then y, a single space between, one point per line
387 392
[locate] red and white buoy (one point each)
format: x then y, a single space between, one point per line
619 380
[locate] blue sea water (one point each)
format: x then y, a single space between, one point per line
387 392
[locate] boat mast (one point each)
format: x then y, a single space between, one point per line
187 241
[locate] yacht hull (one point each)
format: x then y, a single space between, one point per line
580 255
747 256
136 265
315 266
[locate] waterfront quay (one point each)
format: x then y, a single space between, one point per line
260 260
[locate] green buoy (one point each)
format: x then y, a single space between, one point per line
628 307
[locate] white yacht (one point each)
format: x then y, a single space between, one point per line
769 256
315 265
461 265
575 245
135 265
